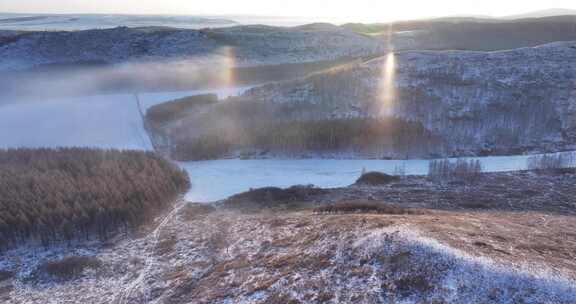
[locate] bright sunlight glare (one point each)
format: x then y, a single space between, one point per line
321 10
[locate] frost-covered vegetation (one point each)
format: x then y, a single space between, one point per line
408 241
240 46
461 33
49 195
460 170
457 104
238 132
553 162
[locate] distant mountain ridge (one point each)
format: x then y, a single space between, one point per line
253 45
543 13
232 46
69 22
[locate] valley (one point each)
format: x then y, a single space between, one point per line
246 159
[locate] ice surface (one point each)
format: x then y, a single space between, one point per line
113 121
216 180
105 121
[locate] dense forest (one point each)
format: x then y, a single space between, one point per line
172 110
49 195
370 137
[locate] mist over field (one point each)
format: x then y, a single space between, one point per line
234 156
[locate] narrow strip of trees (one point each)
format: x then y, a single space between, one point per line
49 195
371 137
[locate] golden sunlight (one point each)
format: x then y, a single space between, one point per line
388 77
227 64
388 87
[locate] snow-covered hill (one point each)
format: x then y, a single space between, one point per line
238 46
202 254
476 102
73 22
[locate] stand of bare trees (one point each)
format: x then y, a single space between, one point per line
552 162
49 195
459 170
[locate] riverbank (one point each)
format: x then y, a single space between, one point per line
218 179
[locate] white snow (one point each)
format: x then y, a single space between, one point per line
219 179
113 121
72 22
104 121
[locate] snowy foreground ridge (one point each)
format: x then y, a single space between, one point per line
231 258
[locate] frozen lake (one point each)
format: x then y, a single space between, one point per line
219 179
104 121
113 121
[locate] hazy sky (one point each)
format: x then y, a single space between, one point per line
360 10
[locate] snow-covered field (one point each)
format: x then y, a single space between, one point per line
105 121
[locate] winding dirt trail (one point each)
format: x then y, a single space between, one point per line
137 285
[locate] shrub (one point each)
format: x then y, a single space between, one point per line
166 245
450 171
70 267
364 207
376 179
59 194
194 211
5 275
273 197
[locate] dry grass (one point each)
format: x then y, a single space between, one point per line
362 206
195 211
274 198
70 267
166 245
5 275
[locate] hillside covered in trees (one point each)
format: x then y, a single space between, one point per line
459 103
51 195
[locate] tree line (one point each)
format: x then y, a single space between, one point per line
49 195
370 137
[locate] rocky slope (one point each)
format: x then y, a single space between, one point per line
241 46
